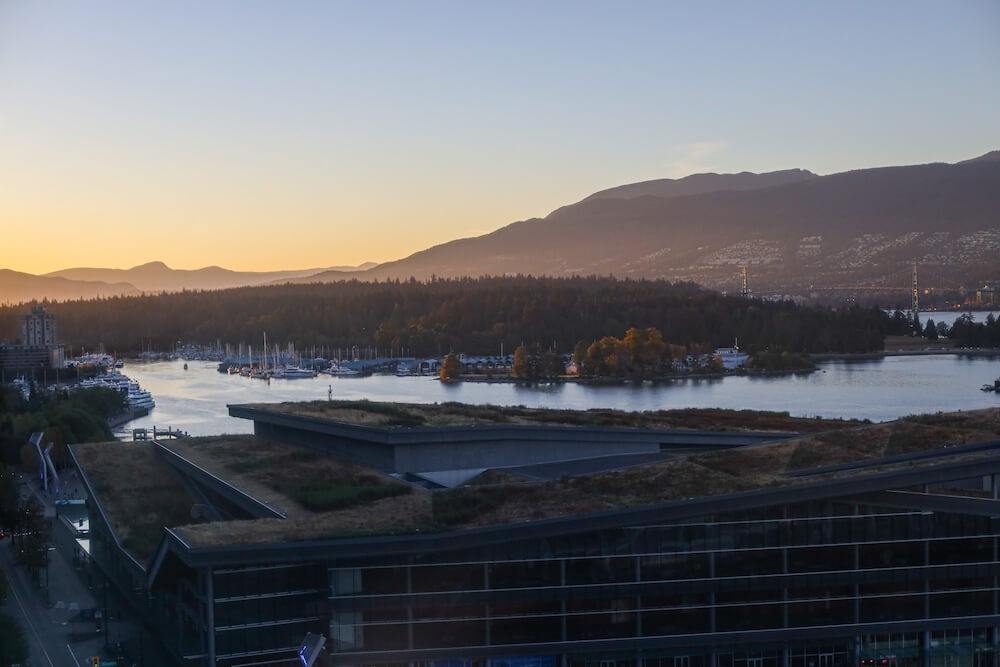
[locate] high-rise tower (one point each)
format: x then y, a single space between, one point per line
38 328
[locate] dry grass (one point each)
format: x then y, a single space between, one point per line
716 473
403 415
388 516
276 472
140 493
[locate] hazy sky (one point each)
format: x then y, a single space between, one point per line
267 135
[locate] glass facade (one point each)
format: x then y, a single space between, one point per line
802 583
817 585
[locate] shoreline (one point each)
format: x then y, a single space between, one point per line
126 416
926 352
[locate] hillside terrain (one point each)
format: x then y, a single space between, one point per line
791 229
88 283
158 277
18 287
795 231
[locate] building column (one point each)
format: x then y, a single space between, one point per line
784 593
486 607
638 601
856 589
927 583
711 596
714 656
210 614
409 607
562 601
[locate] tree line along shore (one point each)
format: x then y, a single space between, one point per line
477 316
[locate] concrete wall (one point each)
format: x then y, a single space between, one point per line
368 453
502 453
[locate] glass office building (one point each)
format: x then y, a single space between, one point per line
885 562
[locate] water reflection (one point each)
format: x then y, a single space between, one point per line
882 389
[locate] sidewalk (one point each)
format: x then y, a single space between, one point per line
63 592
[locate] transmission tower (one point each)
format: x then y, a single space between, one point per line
915 298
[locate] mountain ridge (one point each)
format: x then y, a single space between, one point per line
793 228
862 225
703 183
20 287
157 276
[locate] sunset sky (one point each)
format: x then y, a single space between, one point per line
280 135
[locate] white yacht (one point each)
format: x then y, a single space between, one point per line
137 398
293 372
133 393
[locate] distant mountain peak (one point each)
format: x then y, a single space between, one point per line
157 265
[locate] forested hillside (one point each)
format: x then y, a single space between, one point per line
469 315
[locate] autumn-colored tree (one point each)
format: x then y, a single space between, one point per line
645 349
603 357
520 368
676 351
451 368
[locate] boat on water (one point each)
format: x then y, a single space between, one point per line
294 372
134 394
992 387
339 371
138 398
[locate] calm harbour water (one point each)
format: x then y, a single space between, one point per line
195 400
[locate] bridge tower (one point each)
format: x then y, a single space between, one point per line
915 296
745 289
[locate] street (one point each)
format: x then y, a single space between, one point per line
57 634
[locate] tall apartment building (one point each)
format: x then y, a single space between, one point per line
38 328
39 346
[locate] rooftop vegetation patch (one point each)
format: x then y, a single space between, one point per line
334 499
319 496
409 415
293 478
400 514
139 492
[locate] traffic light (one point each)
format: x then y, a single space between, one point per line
95 661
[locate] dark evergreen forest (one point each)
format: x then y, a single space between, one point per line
474 315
